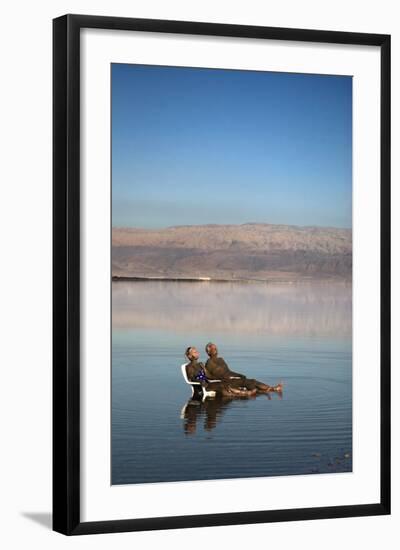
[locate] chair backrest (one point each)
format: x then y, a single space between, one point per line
184 373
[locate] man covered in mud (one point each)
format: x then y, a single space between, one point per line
217 369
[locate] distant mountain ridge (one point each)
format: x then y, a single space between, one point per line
248 251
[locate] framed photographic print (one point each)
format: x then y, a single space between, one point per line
221 274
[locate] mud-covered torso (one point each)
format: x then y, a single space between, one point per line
195 371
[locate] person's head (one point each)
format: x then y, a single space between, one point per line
211 349
192 353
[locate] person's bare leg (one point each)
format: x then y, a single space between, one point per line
245 393
264 388
251 384
240 393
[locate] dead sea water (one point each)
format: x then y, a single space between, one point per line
296 333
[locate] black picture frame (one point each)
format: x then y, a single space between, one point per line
66 273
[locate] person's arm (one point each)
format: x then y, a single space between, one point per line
232 374
211 370
189 372
209 375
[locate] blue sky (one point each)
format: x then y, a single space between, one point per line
198 146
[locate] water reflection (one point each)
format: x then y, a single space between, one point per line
310 351
281 309
210 411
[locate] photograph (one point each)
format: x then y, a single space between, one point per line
231 290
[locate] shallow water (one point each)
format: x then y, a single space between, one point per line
298 334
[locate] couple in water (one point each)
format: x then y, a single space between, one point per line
216 375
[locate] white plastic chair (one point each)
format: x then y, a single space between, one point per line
196 386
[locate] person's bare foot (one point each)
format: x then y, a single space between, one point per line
277 389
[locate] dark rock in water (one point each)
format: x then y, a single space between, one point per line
316 455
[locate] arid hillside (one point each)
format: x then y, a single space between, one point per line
248 251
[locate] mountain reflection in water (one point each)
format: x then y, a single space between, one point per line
304 309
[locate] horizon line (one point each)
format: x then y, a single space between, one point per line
230 225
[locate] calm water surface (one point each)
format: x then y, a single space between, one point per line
298 334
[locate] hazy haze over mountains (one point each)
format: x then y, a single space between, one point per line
248 251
